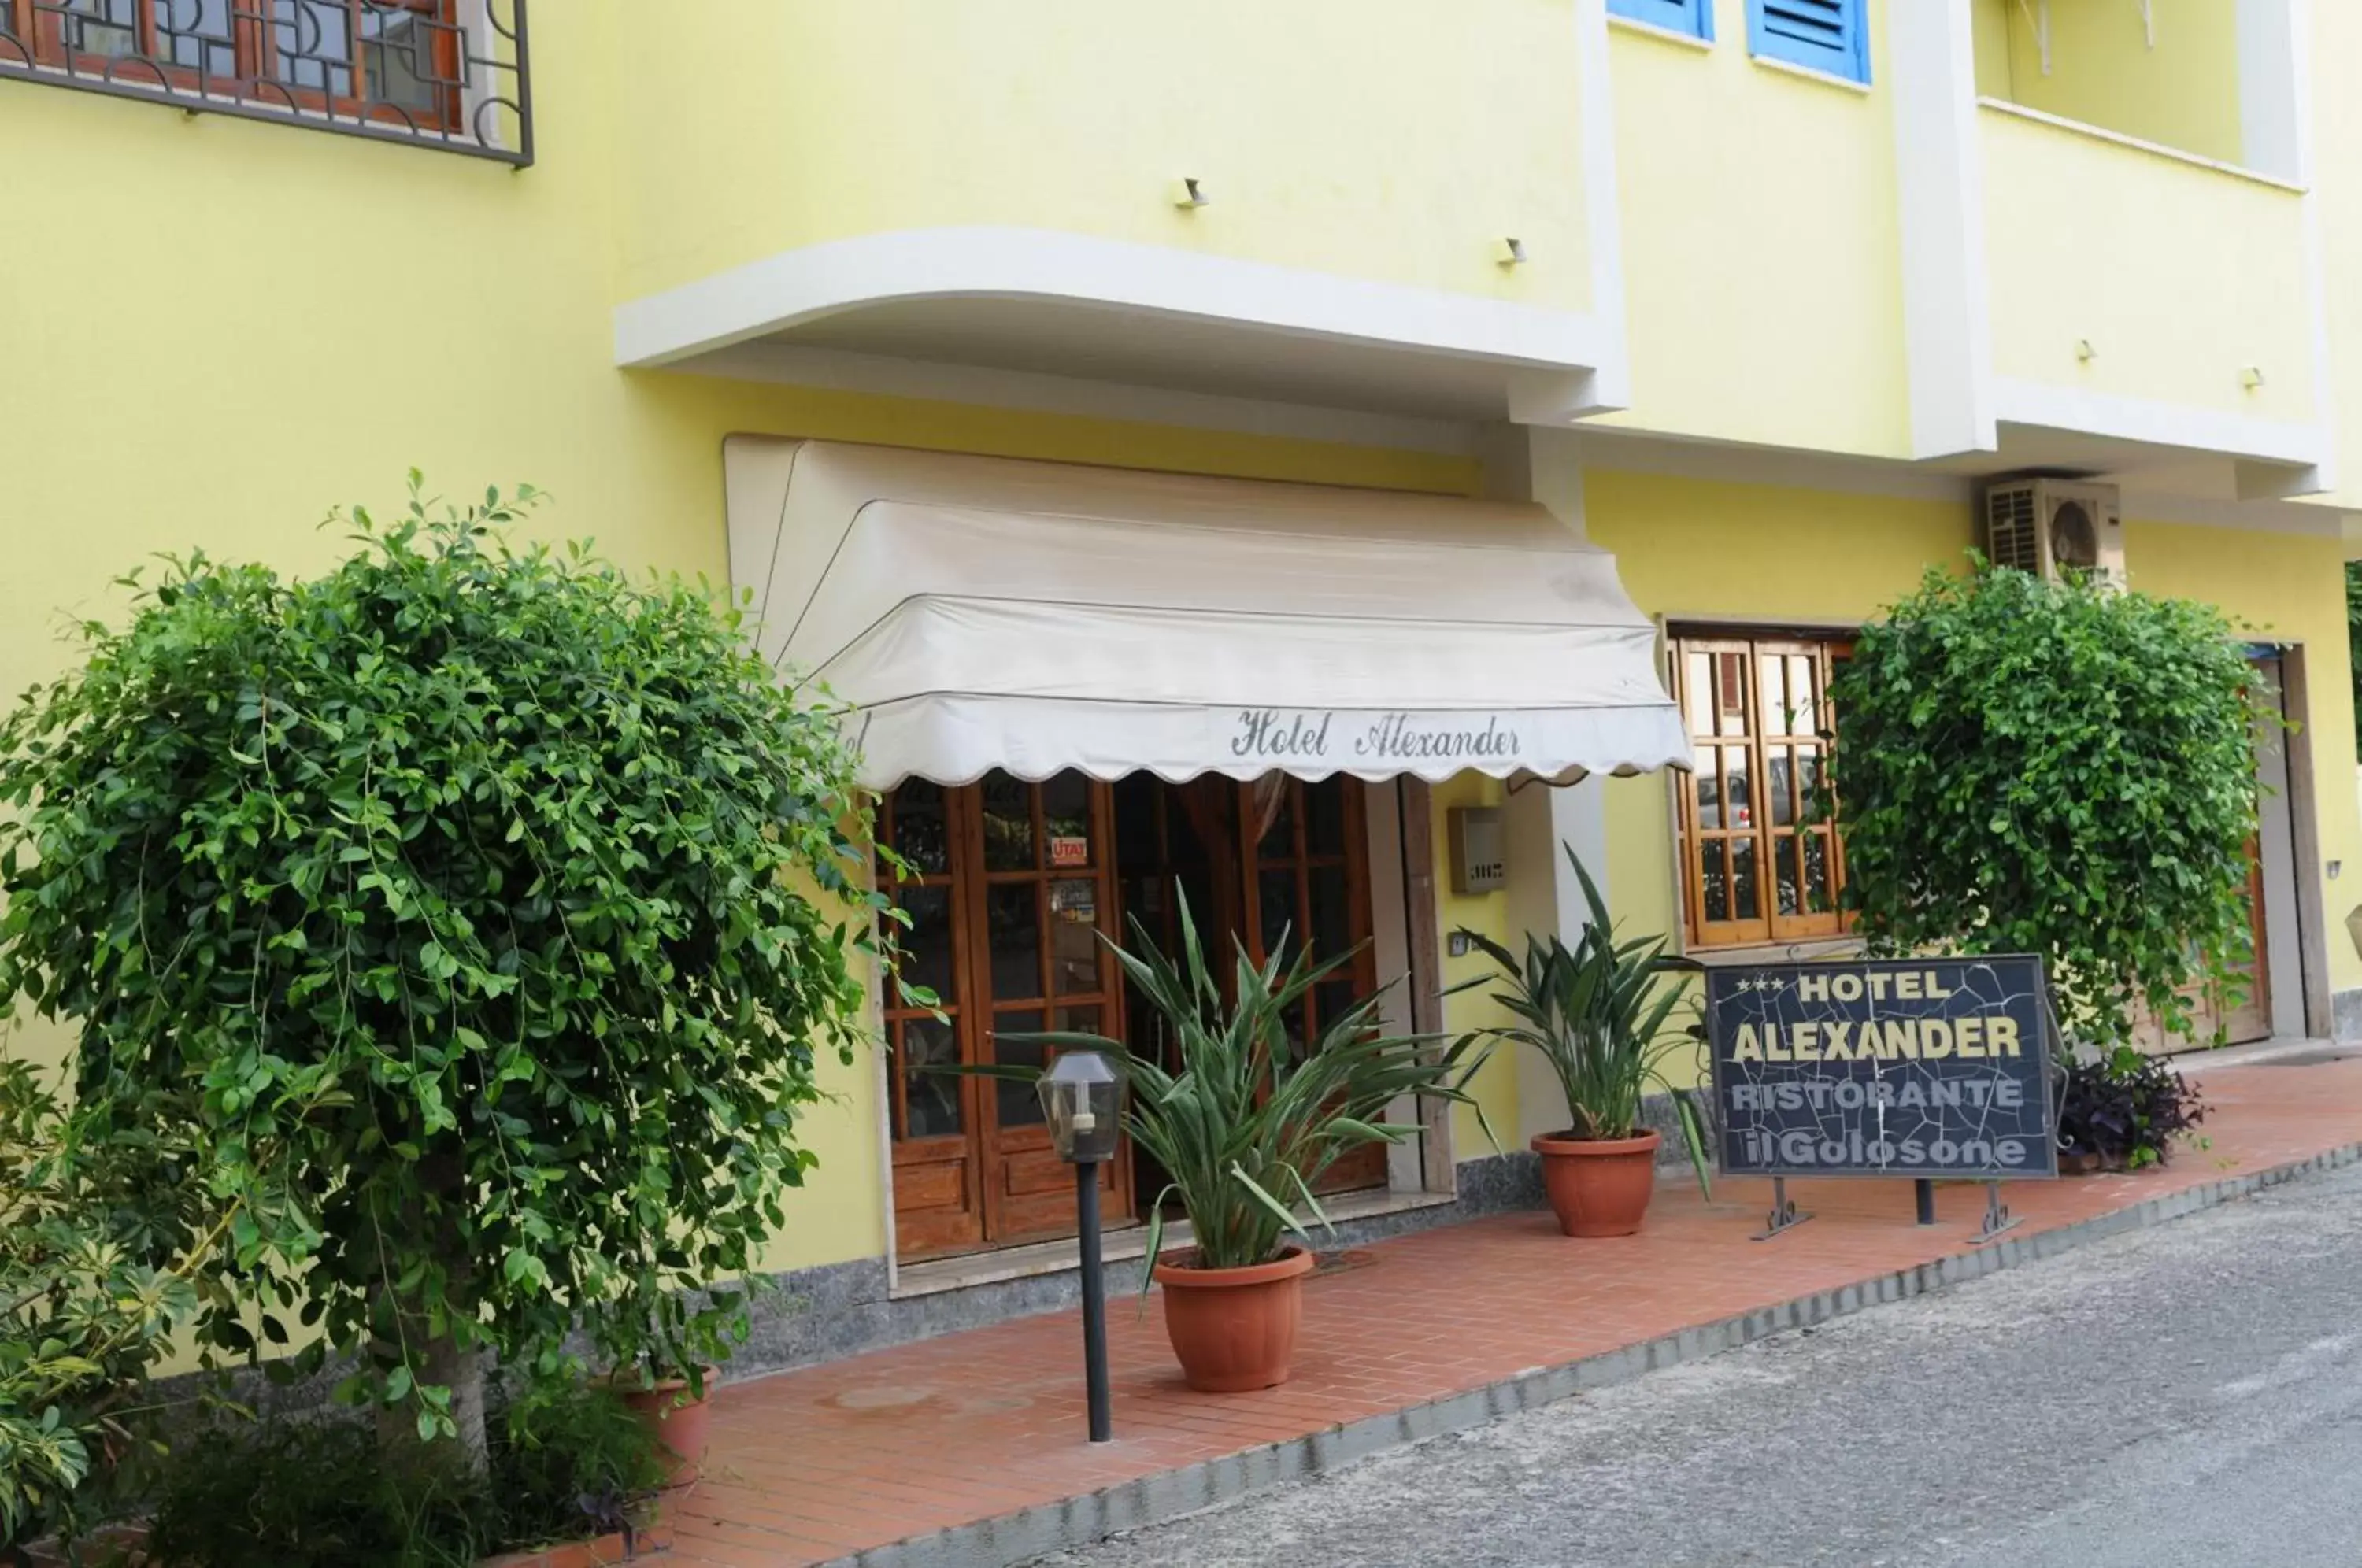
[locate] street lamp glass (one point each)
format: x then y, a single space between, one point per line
1082 1101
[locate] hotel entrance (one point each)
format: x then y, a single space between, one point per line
1007 887
1082 694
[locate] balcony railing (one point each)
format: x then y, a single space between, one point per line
446 73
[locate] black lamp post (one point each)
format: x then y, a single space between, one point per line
1082 1101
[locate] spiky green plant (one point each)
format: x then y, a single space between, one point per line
1599 1013
1252 1118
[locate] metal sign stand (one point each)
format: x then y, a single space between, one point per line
1997 1217
1784 1215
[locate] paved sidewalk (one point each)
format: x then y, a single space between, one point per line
980 1434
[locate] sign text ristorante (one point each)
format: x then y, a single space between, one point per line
1345 738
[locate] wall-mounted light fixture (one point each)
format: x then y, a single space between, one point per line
2252 377
1509 252
2084 351
1189 191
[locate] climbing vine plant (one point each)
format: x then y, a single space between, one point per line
489 912
2354 638
2055 768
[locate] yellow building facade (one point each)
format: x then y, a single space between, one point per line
1759 313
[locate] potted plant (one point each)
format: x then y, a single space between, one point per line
1599 1012
676 1410
1243 1124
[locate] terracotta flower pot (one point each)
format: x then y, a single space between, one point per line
678 1422
1234 1329
1599 1186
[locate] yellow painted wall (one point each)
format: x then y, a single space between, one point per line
2183 93
1761 250
1487 913
2180 276
1991 22
1387 139
213 330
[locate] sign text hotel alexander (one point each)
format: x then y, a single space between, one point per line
1359 737
1907 1066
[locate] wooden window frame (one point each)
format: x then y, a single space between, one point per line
254 27
1743 650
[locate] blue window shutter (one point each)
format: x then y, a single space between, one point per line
1694 17
1821 34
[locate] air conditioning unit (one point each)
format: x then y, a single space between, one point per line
2049 526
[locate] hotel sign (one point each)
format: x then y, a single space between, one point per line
1359 738
1901 1067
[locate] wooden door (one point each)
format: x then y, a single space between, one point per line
1292 857
2246 1012
1306 879
2241 1012
1046 881
933 1115
1007 887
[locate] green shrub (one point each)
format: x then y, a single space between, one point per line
2054 769
498 906
566 1462
318 1494
95 1266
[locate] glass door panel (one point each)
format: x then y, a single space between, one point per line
1319 898
1004 884
1047 877
937 1165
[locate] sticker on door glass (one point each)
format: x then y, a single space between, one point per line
1075 902
1069 849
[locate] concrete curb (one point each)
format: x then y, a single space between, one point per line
1079 1522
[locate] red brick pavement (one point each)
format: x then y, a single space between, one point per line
816 1463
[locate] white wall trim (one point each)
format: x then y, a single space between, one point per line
2298 444
2294 36
886 376
1784 469
1668 35
794 286
1728 463
1603 215
2153 149
1826 78
2255 516
1939 176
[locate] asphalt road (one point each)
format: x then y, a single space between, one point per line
2186 1394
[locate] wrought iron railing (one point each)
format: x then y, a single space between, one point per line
446 73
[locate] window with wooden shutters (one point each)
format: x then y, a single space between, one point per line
1755 866
1693 17
1820 34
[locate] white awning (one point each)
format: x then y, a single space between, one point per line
983 613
